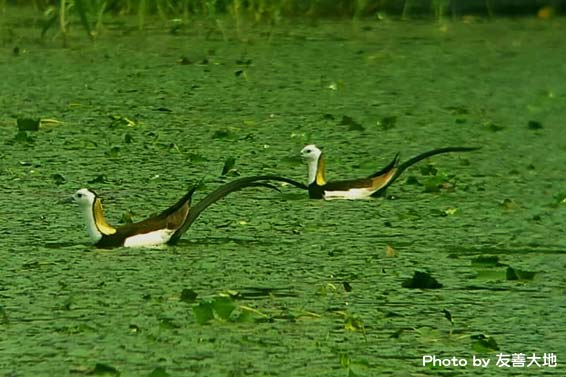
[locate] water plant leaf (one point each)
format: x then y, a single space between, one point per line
509 204
203 312
159 372
104 370
486 261
113 152
421 280
387 122
164 109
98 179
534 125
559 199
223 307
81 10
168 323
390 252
516 274
428 169
58 179
195 157
484 344
491 126
494 275
4 316
185 61
52 16
188 295
119 120
28 124
353 322
22 137
448 316
224 134
351 123
435 183
229 164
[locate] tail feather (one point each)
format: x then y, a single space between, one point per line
407 164
224 190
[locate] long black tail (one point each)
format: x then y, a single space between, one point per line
224 190
407 164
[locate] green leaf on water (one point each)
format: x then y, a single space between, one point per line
487 261
428 169
559 199
491 126
421 280
188 295
387 122
223 307
104 370
534 125
516 274
113 152
195 157
484 344
118 120
168 323
351 123
353 322
52 17
509 204
81 9
229 164
22 137
159 372
435 183
28 124
58 179
203 312
448 316
98 179
4 319
224 134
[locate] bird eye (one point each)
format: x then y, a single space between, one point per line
79 195
308 151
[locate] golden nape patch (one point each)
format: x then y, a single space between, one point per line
382 180
320 177
100 221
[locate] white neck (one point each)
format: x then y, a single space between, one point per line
311 170
91 228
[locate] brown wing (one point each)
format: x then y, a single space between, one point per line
374 182
172 218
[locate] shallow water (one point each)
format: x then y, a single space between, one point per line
68 306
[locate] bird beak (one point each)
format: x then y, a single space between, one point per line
69 199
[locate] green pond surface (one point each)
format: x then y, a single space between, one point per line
323 296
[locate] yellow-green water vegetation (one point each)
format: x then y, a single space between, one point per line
465 257
59 15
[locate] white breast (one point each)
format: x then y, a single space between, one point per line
151 239
352 194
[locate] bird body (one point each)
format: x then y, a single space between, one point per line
361 188
164 228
